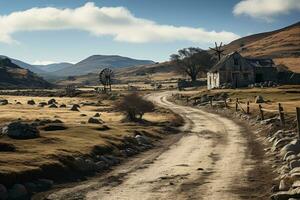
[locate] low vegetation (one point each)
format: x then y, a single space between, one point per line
134 106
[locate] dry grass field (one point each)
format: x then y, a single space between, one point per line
44 154
288 96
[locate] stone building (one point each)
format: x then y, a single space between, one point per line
235 71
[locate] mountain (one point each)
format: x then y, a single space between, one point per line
53 67
95 63
282 45
24 65
13 76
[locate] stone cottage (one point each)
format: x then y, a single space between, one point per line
235 71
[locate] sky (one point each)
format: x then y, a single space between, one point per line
44 32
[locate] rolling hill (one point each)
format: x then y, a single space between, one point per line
282 45
95 63
13 76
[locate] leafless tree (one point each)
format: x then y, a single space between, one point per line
192 61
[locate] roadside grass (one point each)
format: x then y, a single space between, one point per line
287 95
80 138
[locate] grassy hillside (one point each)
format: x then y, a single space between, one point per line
13 76
281 45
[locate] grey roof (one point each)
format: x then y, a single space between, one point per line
221 63
254 62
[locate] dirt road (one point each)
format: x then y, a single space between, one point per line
209 161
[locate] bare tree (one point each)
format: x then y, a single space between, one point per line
192 61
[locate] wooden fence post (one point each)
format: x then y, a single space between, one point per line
298 120
225 103
262 117
236 104
187 99
210 101
248 107
281 115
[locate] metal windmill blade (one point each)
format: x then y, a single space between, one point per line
105 77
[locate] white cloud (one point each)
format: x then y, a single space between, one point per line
43 62
266 9
117 22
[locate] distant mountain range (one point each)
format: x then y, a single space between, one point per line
13 76
92 64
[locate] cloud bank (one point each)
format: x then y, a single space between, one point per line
266 9
117 22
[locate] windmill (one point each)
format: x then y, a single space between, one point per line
105 78
218 50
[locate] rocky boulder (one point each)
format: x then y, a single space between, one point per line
18 130
97 115
31 102
3 102
292 146
42 104
94 121
53 106
52 101
75 107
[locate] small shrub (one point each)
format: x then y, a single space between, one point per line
134 106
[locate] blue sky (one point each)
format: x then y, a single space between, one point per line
138 30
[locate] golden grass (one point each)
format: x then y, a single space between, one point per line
288 96
79 139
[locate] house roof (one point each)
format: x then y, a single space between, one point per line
254 62
221 63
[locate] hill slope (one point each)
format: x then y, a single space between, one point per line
13 76
95 63
32 68
282 45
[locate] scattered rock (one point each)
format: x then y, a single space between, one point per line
283 186
103 128
259 99
53 106
52 101
94 121
83 115
31 102
292 146
75 108
18 191
294 163
42 104
3 102
54 127
142 140
97 115
19 103
286 195
18 130
63 106
289 153
84 165
101 165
